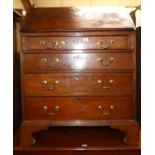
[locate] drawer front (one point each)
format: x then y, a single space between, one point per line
78 108
33 62
78 84
90 42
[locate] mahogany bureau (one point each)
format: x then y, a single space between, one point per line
78 69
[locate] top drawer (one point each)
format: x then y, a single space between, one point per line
87 42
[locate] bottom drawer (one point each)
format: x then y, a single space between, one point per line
78 108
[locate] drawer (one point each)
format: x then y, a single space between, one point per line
72 84
88 42
78 108
33 62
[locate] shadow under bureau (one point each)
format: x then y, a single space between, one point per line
78 68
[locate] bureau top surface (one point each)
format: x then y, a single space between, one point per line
77 19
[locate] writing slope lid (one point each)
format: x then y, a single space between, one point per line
80 18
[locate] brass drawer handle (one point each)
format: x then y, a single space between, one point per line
54 43
50 86
101 109
45 61
110 61
104 44
84 145
101 84
55 109
43 43
78 77
56 60
63 42
59 42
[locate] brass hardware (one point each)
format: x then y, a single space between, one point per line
59 42
44 60
78 77
112 107
57 60
56 82
110 61
84 145
43 43
55 43
99 42
55 109
54 85
100 82
63 42
50 86
101 109
105 45
112 42
45 108
44 82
